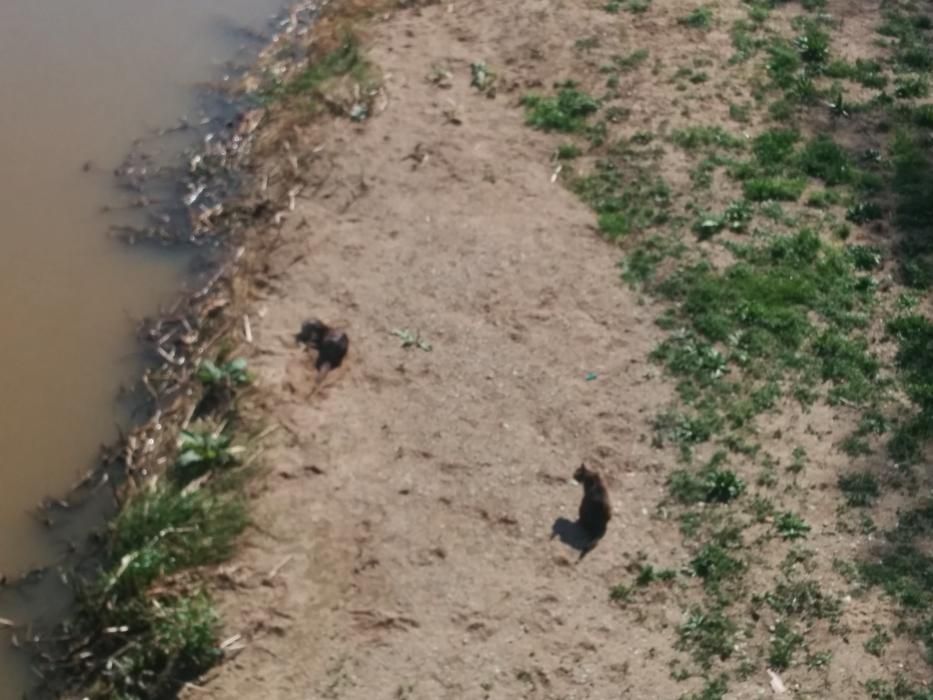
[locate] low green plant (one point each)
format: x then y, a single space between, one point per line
647 575
346 59
876 644
706 137
154 645
568 151
782 189
803 598
631 61
625 200
911 87
233 373
707 634
785 641
791 526
813 44
861 489
825 159
713 689
714 564
711 485
566 112
641 264
620 593
203 449
699 18
164 530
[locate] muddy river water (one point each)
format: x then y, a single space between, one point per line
79 81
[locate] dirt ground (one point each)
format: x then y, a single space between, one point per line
403 543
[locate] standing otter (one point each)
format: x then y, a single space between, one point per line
595 510
331 345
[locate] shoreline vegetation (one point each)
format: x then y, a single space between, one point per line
143 623
781 237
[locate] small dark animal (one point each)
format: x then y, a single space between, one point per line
331 345
595 510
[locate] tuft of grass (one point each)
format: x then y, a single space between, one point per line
907 87
861 489
711 485
713 689
567 112
813 44
624 201
226 374
201 450
647 575
705 137
824 159
631 61
782 189
774 148
568 151
803 599
641 264
876 644
155 645
791 526
699 18
914 336
165 530
707 634
904 569
785 641
714 564
346 60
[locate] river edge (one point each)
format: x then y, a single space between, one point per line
228 211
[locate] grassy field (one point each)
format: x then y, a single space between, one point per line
788 245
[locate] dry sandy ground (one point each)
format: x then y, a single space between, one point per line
421 560
409 507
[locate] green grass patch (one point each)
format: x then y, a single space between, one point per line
791 526
624 200
803 599
567 112
876 644
700 18
861 489
706 137
824 159
708 634
713 689
785 641
714 564
165 530
781 189
641 264
346 60
154 645
630 61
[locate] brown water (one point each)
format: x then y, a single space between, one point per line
79 81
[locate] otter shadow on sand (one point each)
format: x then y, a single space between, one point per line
573 535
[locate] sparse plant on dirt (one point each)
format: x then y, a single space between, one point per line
860 488
567 112
700 18
791 526
707 634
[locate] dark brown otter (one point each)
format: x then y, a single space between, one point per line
331 345
595 510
